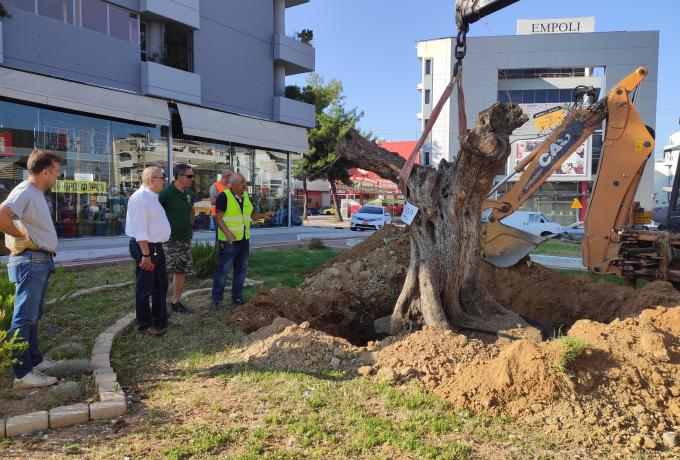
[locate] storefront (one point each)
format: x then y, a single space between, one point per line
103 160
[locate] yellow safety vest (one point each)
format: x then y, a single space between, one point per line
236 221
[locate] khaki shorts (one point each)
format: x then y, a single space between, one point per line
178 257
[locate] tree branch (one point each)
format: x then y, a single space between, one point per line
367 155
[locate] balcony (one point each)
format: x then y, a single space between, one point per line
181 11
419 87
294 112
170 83
297 57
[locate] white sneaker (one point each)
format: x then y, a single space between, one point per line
46 364
34 379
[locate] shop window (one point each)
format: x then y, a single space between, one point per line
91 14
62 10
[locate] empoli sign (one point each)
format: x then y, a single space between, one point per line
80 186
556 26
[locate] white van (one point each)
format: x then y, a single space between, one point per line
533 222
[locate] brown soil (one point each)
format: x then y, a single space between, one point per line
623 394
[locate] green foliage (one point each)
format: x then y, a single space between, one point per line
7 291
205 259
305 36
5 14
64 394
332 121
316 243
9 347
69 350
573 347
70 368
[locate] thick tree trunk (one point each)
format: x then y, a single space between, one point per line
336 202
304 198
443 285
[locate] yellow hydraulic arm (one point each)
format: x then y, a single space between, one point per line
504 246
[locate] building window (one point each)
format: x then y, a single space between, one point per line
123 24
428 66
61 10
178 47
28 5
427 96
426 158
142 40
91 14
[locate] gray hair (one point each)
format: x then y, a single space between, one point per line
234 177
226 172
148 173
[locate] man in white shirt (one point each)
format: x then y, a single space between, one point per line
148 228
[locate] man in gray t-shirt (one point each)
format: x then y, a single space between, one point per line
25 218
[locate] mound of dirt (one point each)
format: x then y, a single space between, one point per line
298 348
624 391
344 296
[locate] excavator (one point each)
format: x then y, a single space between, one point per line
612 243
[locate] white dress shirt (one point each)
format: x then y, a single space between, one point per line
146 219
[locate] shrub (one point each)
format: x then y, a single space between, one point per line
205 259
63 394
316 243
70 368
67 351
6 300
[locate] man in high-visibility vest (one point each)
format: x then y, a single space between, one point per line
233 209
217 188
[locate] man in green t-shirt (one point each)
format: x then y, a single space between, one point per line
177 200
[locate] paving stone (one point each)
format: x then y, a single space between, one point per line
101 360
108 386
107 409
102 370
101 378
2 428
112 395
101 350
27 423
64 416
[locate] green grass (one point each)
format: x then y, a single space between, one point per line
558 248
573 347
286 266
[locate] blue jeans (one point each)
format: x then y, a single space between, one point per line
30 271
152 284
236 255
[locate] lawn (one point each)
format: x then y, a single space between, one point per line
559 248
192 398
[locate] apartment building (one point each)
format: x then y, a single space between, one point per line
114 86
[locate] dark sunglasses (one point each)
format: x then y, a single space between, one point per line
188 176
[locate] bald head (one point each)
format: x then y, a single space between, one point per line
238 183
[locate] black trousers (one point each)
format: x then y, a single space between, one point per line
150 284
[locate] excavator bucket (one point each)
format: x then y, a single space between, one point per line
504 246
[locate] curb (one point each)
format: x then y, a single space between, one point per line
112 401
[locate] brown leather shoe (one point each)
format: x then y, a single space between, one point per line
154 331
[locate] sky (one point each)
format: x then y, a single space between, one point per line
369 45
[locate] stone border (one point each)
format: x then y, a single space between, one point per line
88 291
112 401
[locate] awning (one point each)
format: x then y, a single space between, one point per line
64 94
212 124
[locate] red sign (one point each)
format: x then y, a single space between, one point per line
6 144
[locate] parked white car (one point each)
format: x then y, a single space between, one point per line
370 217
533 222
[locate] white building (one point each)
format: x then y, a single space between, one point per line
665 168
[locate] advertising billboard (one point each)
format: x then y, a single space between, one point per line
543 119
